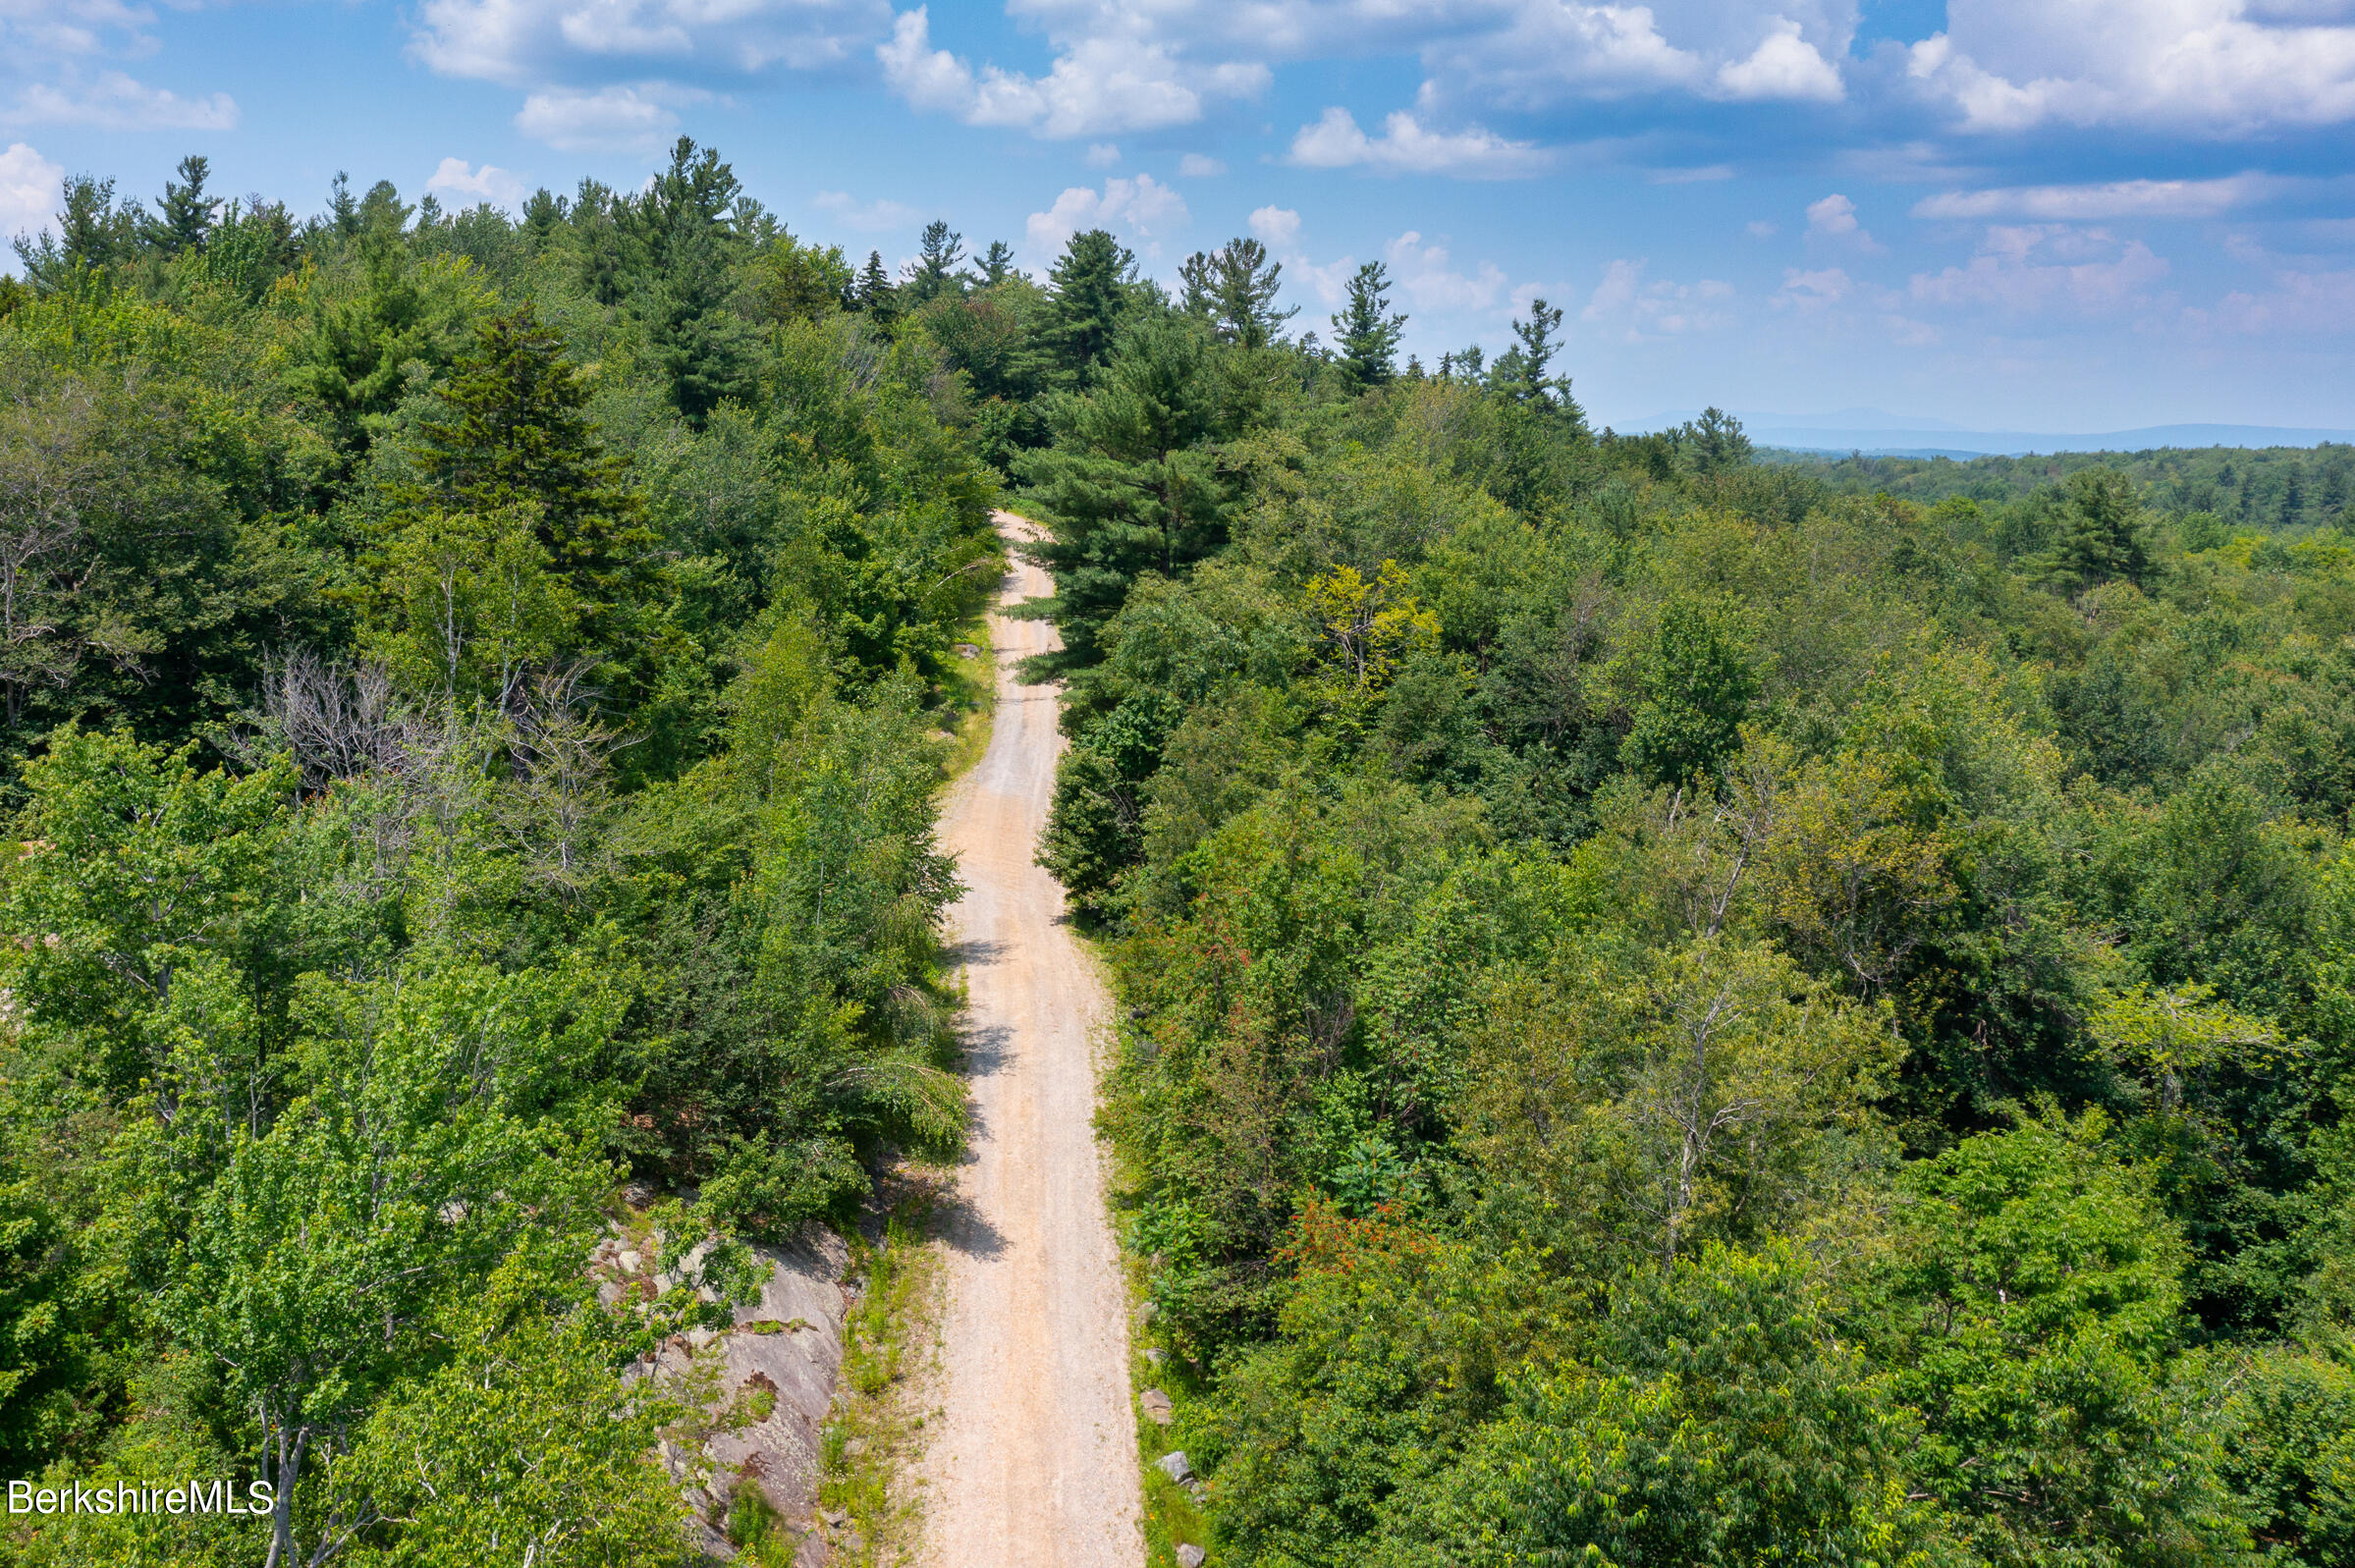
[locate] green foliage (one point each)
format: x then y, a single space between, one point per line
504 766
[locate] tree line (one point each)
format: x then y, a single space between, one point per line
1683 1009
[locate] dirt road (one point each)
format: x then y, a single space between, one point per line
1033 1461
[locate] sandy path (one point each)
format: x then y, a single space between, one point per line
1032 1462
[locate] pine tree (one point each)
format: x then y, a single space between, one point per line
543 218
874 293
1520 373
935 270
1091 286
511 426
92 233
687 246
343 210
997 264
184 214
1368 335
1132 483
1243 284
1715 441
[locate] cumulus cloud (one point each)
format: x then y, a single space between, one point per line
1835 218
463 184
28 191
2300 303
1405 146
870 217
1630 306
537 42
1113 82
1810 291
1196 166
1784 65
115 102
1102 154
2119 198
1276 226
1141 211
2226 66
1424 275
606 119
2037 268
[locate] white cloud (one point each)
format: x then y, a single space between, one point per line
76 27
1627 307
1784 65
29 186
1195 166
1277 225
115 102
2306 303
2226 67
1707 174
1406 147
607 120
1117 81
2122 199
1759 229
537 42
465 185
2035 268
1103 156
1835 218
1141 211
1423 275
1810 291
870 217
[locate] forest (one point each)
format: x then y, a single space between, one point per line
1675 1006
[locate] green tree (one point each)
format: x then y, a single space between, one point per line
510 427
2102 534
1367 334
690 243
1088 294
936 271
1132 483
874 292
1700 687
1521 372
1235 287
184 214
2031 1306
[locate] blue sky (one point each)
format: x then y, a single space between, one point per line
2060 215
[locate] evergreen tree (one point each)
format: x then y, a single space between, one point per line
543 218
342 208
874 293
1368 335
1236 287
935 270
92 233
511 427
687 245
184 214
1132 483
1715 441
1521 371
997 264
1091 285
2103 536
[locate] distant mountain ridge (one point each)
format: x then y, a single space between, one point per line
1884 435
